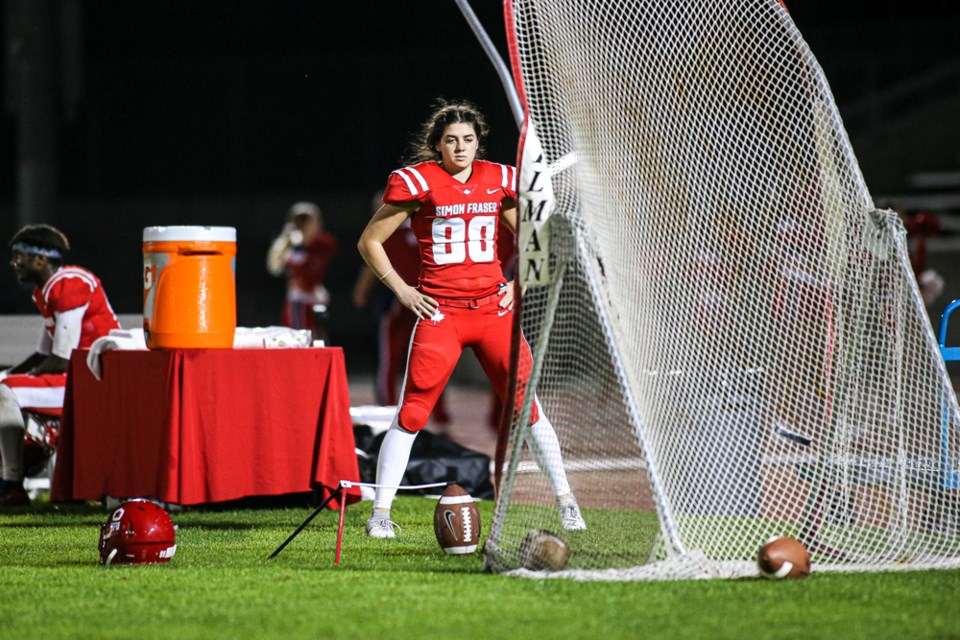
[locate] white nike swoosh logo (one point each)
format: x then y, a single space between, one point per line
503 313
489 191
448 518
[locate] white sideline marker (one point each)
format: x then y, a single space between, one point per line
346 484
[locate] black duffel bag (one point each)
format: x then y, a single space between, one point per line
432 459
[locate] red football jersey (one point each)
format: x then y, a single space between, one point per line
71 287
456 225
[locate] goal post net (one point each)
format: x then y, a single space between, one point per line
727 334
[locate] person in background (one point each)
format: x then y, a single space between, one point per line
75 313
506 248
395 322
303 252
454 202
920 227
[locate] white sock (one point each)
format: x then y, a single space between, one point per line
11 448
11 435
545 448
391 463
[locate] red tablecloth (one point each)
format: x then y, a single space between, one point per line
199 426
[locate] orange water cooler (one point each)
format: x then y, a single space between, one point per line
189 291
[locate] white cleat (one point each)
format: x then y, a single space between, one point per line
570 516
381 526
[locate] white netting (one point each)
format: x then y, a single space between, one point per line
737 347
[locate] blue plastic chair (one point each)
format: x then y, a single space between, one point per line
951 477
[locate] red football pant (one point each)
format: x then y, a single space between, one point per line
395 329
436 348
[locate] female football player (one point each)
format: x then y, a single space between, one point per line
454 201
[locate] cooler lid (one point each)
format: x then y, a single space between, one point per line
180 233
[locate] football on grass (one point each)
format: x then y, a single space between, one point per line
543 550
456 521
783 558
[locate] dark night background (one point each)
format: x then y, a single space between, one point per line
217 112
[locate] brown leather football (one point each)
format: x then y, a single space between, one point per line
543 550
456 521
783 557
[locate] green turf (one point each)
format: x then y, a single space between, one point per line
221 585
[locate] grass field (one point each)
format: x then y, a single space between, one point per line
221 585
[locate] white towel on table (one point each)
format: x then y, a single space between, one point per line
243 338
116 339
271 338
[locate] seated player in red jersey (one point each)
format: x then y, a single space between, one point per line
454 202
75 312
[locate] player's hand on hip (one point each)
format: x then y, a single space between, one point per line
506 295
421 305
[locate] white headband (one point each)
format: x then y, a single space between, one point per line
35 250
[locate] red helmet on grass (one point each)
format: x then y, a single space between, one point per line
137 532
